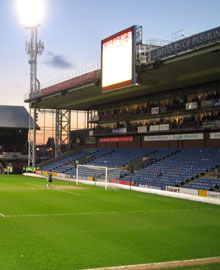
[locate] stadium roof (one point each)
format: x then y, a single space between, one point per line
195 67
14 117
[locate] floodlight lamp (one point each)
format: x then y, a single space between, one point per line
30 12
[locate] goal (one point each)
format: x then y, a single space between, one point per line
100 174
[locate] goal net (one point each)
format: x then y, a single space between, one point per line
97 174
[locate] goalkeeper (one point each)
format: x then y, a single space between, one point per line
50 180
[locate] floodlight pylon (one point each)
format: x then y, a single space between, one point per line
33 48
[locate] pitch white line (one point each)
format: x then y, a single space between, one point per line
75 213
161 265
34 185
62 214
92 213
68 192
2 215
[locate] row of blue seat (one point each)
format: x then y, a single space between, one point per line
168 166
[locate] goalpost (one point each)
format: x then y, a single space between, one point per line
100 174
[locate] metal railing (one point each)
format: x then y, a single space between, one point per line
71 75
66 77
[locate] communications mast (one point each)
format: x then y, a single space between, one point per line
33 48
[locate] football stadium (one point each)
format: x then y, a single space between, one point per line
138 187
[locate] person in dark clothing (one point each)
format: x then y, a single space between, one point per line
50 180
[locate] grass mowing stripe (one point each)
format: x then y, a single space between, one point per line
68 192
156 229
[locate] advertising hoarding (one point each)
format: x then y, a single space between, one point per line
90 140
116 139
155 110
187 44
207 103
191 105
142 129
215 135
191 136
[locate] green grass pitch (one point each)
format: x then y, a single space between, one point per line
76 228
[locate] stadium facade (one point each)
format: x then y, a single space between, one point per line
173 99
14 125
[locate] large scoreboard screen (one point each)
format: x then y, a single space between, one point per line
118 60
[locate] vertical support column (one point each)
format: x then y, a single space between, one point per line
77 127
32 137
85 128
63 125
44 133
106 178
65 128
87 120
57 133
77 174
69 129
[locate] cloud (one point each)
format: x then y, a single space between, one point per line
58 61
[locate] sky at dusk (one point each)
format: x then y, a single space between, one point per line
72 31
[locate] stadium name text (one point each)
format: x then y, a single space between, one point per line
186 44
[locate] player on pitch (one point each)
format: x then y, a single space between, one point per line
50 180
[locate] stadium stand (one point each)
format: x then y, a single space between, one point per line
164 167
163 130
14 125
184 166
